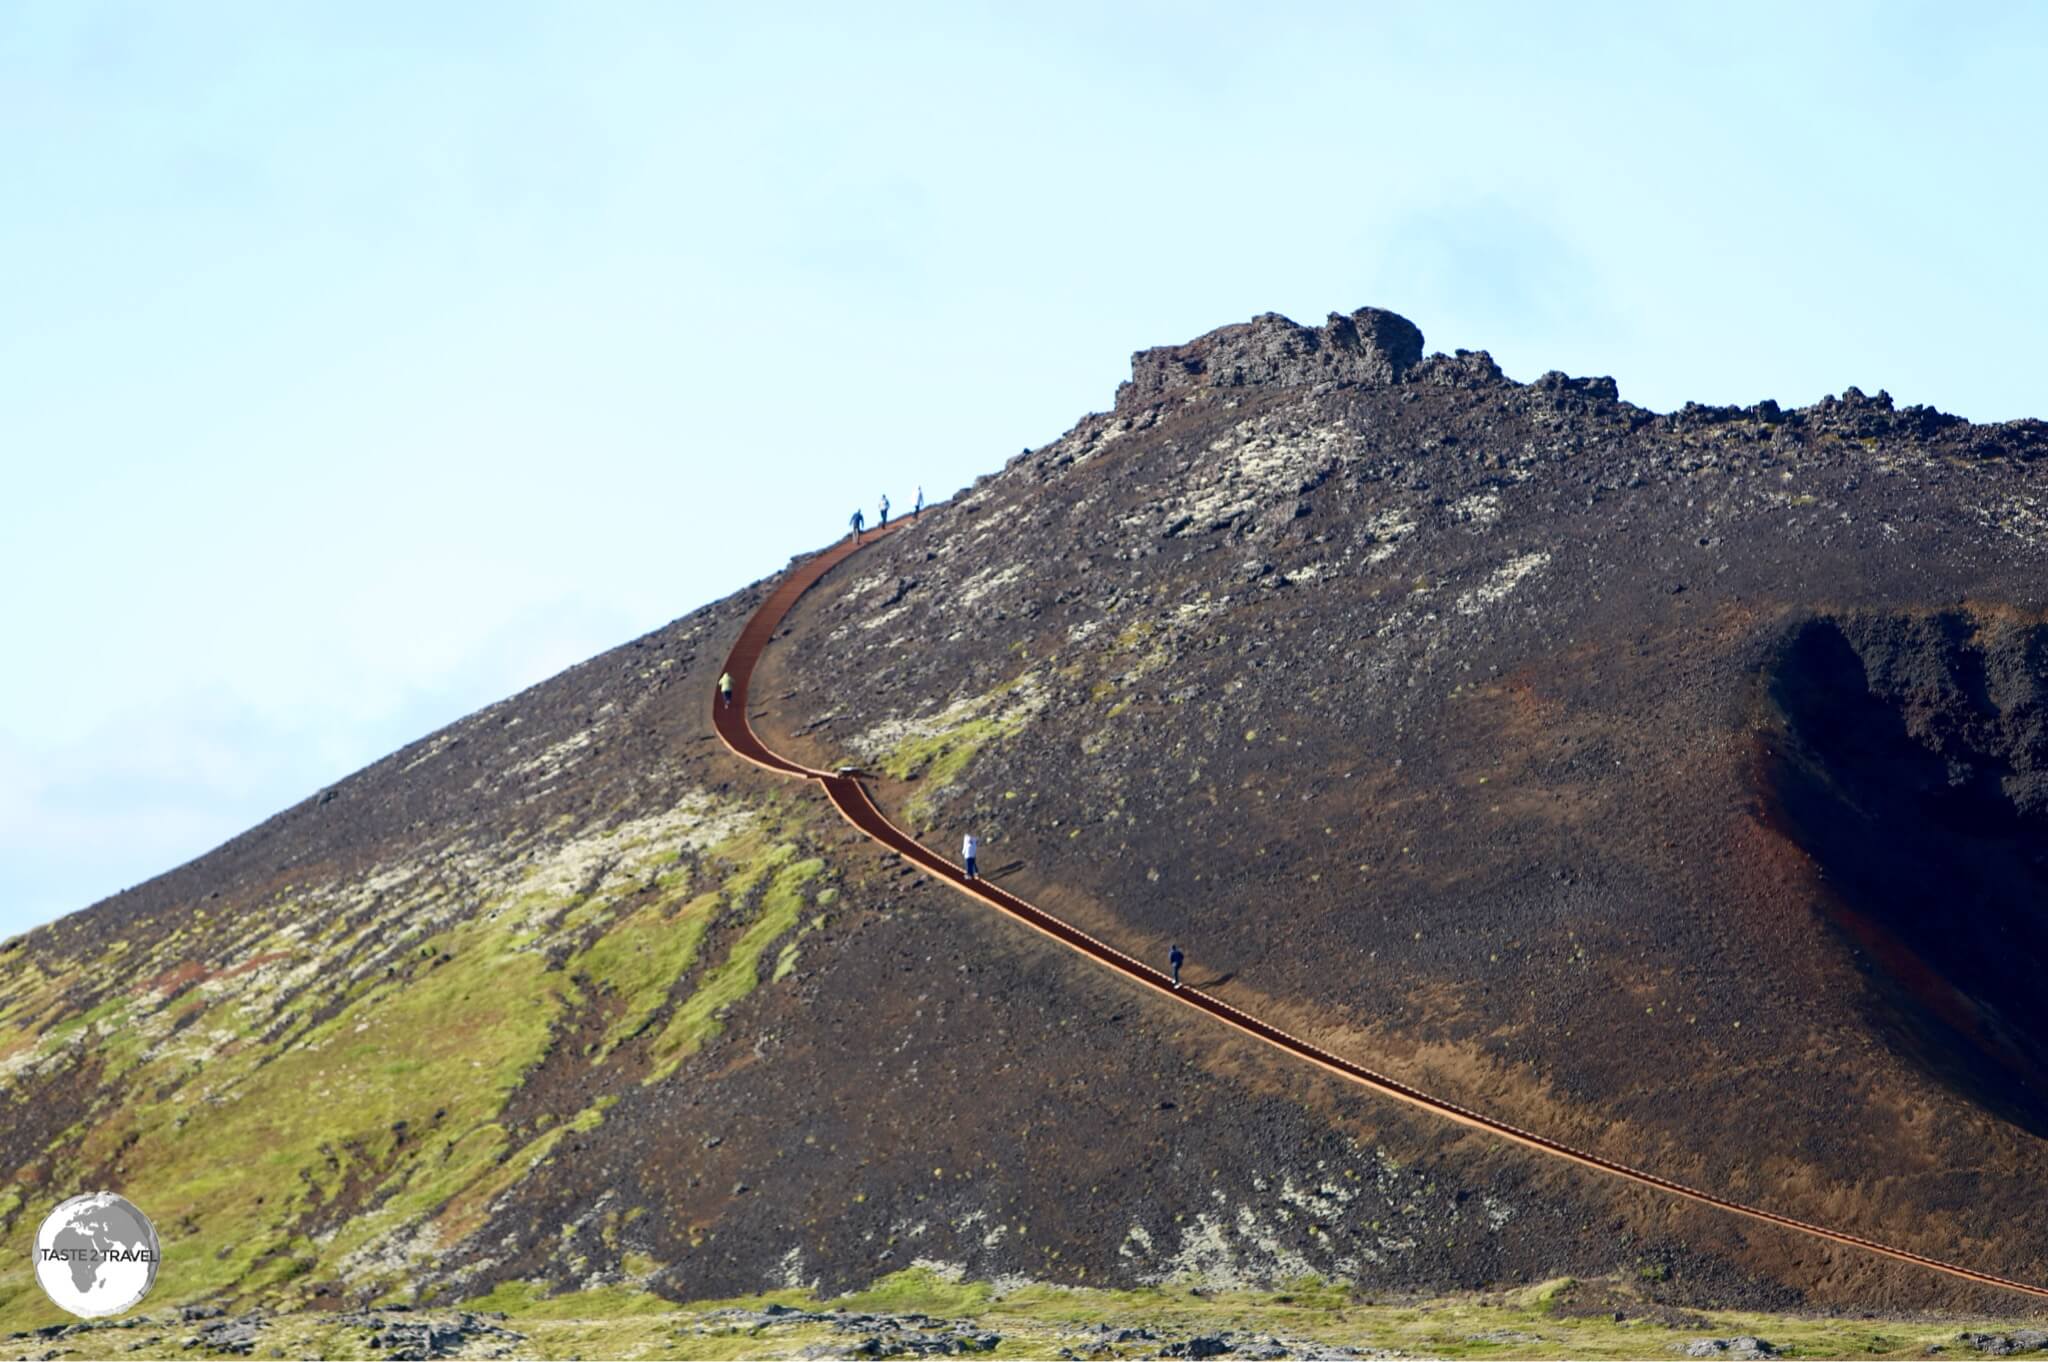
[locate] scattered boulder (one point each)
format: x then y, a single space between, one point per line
1744 1346
237 1336
2005 1345
417 1339
895 1336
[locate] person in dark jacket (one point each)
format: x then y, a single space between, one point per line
858 522
1175 959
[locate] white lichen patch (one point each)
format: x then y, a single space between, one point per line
434 749
985 583
987 524
871 582
253 987
1205 1255
1255 466
1212 1256
1189 614
1476 511
940 1268
1096 434
1137 1243
555 759
1325 1201
883 618
1230 1250
1502 583
403 1253
607 860
1008 706
392 876
2022 515
31 1059
1383 533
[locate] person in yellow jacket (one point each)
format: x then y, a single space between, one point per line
725 687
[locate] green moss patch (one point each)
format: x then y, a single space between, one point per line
272 1150
701 1016
919 1290
938 758
640 958
528 1301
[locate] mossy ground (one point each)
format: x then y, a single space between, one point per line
1041 1320
936 758
274 1147
700 1017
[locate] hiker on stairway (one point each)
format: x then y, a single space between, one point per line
885 511
858 521
917 505
725 688
1175 958
969 848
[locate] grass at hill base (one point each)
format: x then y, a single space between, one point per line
1040 1320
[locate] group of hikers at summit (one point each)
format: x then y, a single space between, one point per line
970 845
859 521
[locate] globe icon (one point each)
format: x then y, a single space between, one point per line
96 1255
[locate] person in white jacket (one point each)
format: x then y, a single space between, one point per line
969 847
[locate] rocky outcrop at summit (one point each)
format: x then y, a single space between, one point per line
1371 346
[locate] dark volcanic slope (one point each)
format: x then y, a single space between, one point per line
846 789
1495 726
1669 784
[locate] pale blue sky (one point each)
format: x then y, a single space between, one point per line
361 363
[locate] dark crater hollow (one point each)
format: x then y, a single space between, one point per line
1915 773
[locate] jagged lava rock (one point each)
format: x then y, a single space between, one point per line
1369 346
